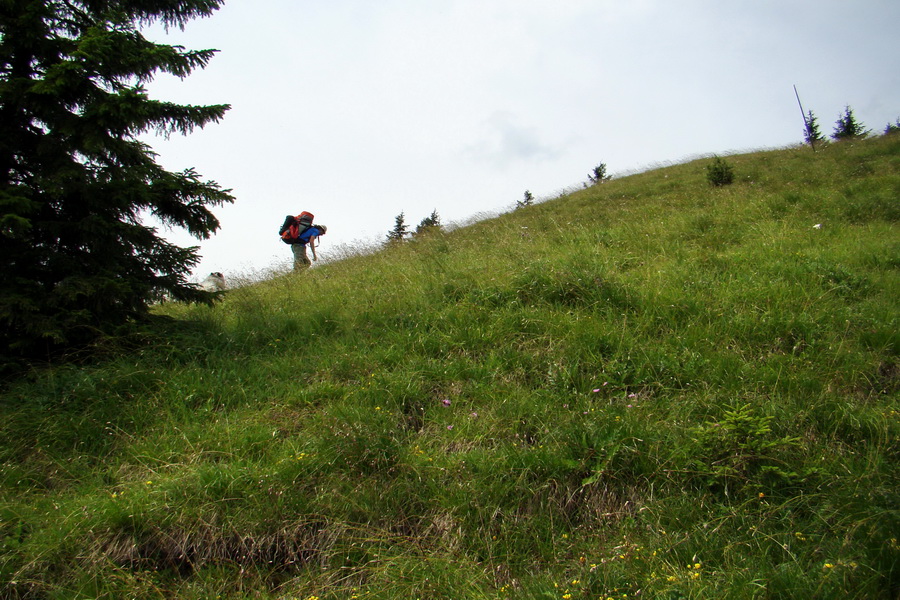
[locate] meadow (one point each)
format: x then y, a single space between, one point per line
647 388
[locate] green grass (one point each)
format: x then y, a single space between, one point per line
650 388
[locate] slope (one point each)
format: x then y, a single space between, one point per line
647 388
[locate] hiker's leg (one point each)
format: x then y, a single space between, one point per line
301 261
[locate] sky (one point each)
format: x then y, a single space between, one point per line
358 111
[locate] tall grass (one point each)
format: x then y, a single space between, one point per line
648 388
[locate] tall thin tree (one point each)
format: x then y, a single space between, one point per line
76 181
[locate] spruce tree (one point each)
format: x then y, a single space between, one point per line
527 200
598 175
76 181
812 134
429 223
400 230
719 173
847 126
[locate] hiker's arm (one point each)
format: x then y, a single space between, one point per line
312 244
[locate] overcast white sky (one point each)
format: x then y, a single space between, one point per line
357 110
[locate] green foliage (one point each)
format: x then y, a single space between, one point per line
400 230
429 223
576 399
719 172
527 200
598 174
740 451
78 263
847 127
811 133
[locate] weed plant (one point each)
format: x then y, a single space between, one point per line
652 388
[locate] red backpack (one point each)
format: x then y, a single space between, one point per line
293 227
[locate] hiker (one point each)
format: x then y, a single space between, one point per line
300 232
307 238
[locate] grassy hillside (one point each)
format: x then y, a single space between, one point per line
651 388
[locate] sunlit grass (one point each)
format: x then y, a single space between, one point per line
647 388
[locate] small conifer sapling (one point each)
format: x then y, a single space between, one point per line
429 223
400 230
847 127
719 172
598 175
812 134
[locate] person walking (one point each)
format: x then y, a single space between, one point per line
300 232
310 238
